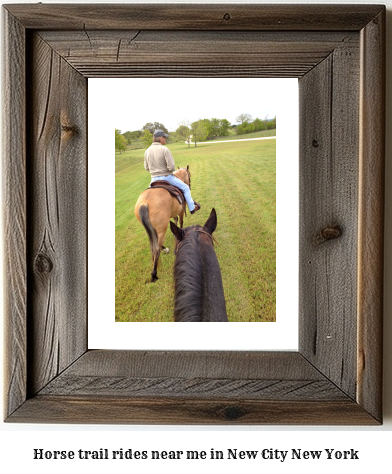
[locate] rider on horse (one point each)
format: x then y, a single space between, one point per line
159 161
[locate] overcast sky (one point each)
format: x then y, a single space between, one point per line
132 103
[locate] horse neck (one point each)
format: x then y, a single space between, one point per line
188 282
214 307
198 284
182 175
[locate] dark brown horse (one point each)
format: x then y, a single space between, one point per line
153 210
199 295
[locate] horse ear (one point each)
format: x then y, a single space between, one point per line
178 167
176 231
187 167
211 223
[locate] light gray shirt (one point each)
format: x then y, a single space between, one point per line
158 160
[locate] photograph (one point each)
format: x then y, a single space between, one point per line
215 140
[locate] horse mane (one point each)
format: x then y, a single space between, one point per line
188 271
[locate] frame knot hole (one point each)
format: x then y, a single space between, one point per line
328 233
315 143
233 413
43 264
227 17
69 128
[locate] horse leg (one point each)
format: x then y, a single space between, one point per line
142 213
181 220
165 249
161 239
154 273
155 252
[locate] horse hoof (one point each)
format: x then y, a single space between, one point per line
165 250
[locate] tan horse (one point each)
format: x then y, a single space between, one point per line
153 210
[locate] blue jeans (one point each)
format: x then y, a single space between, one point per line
180 184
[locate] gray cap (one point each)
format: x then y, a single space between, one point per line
160 133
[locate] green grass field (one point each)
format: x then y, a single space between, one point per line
238 180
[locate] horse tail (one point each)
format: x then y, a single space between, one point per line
151 232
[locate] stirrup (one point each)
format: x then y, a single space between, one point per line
197 207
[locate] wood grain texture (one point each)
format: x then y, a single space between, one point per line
14 207
58 215
371 216
194 53
329 98
179 374
102 409
192 387
195 17
208 364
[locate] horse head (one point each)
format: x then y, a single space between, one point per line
208 228
184 174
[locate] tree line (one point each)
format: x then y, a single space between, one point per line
248 125
188 132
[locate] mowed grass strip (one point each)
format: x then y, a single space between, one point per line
238 179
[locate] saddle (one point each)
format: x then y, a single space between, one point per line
173 190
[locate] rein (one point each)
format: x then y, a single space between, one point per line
194 229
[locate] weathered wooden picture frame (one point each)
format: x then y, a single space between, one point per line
337 52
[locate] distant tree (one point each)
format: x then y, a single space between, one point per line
128 137
147 138
136 134
183 132
259 124
208 125
241 128
224 127
198 131
245 128
244 118
203 129
120 141
216 126
152 126
272 124
266 122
